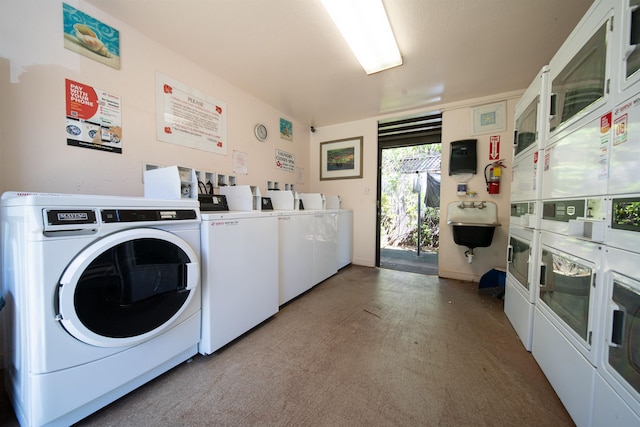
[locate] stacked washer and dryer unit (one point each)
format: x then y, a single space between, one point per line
524 226
617 382
103 294
585 333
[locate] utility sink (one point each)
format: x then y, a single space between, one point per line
473 223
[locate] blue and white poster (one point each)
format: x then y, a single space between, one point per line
89 37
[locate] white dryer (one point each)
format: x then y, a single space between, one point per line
102 296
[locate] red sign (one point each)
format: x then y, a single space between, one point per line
82 101
605 123
494 147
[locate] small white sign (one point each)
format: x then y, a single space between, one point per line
285 161
189 117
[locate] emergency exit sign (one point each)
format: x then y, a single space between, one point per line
494 147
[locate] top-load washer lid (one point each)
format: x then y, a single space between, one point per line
332 202
281 200
312 201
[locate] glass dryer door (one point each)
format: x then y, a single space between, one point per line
565 288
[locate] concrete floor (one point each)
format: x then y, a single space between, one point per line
409 261
367 347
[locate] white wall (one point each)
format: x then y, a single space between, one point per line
452 262
360 194
34 155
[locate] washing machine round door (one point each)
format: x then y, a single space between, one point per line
127 287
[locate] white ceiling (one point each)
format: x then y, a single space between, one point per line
289 54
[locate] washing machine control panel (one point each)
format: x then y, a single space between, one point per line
563 210
139 215
89 219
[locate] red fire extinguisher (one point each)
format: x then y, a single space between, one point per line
493 176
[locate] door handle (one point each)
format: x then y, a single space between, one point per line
193 273
617 326
543 275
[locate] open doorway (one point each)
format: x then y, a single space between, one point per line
409 159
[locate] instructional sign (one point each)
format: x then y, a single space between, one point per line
620 133
189 117
94 118
285 161
606 124
240 163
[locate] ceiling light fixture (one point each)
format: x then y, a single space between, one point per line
366 29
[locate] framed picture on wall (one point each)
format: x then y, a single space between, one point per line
341 159
489 118
90 37
286 129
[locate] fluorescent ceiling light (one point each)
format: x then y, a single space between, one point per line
365 27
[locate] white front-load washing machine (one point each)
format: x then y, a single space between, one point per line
102 296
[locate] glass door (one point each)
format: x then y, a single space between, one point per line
581 83
127 287
632 42
526 127
624 345
620 365
519 257
565 288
